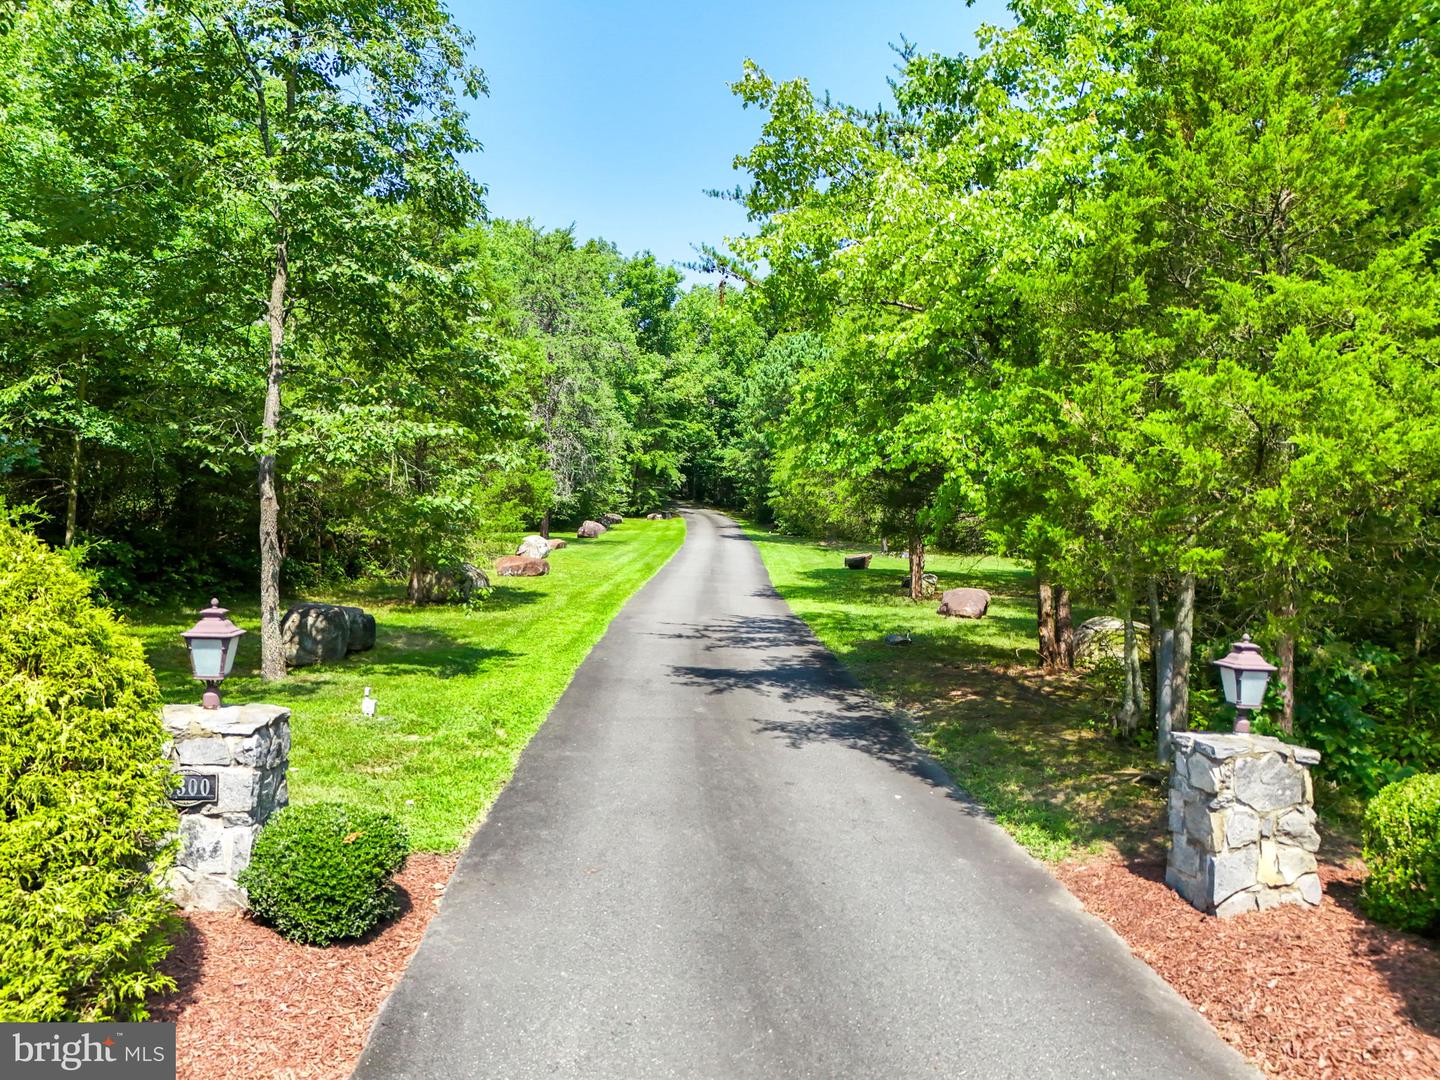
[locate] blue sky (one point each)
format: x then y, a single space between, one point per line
617 116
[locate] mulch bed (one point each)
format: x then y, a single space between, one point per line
251 1005
1303 994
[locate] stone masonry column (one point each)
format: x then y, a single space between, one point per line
1242 823
246 748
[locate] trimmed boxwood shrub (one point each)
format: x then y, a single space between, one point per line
321 872
1402 851
84 822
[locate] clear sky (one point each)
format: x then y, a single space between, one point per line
616 116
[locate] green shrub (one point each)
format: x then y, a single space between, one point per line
321 872
1402 850
84 919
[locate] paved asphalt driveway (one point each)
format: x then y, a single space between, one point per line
717 859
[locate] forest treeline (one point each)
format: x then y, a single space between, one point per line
1141 293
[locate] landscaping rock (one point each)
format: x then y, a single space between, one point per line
448 585
534 547
611 520
362 629
314 634
964 603
929 585
556 545
589 530
521 566
857 562
654 517
1103 638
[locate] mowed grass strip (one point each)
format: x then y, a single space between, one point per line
1033 749
460 691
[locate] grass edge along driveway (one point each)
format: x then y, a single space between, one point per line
460 691
1033 749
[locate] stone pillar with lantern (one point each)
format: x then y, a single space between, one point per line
1241 815
231 762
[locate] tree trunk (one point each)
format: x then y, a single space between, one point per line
1132 706
1287 670
545 525
72 489
1180 672
917 566
1045 618
1064 630
72 493
1162 658
272 658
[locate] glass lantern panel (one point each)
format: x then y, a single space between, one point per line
231 648
1252 688
1227 684
205 659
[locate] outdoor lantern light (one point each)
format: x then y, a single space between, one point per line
1243 676
213 642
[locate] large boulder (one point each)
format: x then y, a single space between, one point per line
611 519
556 545
362 628
654 517
857 562
589 530
1103 638
534 547
314 634
521 566
964 603
448 585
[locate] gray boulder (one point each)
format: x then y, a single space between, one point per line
448 585
857 562
654 517
929 585
533 547
590 530
611 520
362 628
314 634
964 603
1103 638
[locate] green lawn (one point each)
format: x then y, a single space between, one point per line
460 692
1027 746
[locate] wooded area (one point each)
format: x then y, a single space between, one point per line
1142 293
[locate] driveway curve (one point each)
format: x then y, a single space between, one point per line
719 859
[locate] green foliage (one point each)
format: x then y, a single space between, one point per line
83 915
321 873
1150 289
1402 852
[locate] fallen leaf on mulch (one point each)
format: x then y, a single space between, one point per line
1305 994
253 1006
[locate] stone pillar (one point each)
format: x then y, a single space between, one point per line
247 748
1242 823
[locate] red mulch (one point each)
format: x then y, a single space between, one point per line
251 1005
1304 994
